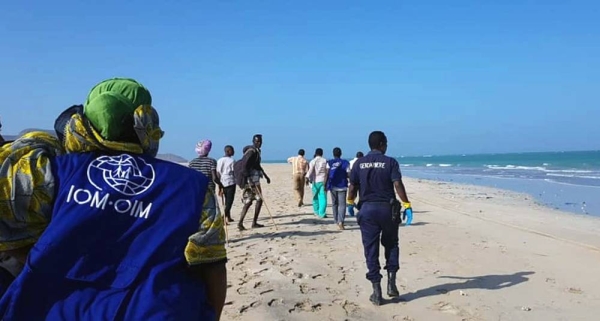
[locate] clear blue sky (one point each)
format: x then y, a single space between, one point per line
439 77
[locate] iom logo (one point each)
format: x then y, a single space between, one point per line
125 174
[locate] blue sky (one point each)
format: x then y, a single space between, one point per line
439 77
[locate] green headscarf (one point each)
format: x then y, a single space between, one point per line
111 104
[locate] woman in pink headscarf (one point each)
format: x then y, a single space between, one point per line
205 164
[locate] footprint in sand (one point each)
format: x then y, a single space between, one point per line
275 302
304 289
446 307
245 308
266 251
351 308
286 271
260 271
241 262
246 278
305 305
333 292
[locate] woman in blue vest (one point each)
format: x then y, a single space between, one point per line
105 230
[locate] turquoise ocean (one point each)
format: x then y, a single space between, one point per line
579 168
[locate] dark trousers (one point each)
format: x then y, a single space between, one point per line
375 220
229 192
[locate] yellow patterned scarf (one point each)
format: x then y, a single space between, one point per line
80 136
26 188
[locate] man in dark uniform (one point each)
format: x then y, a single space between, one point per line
377 176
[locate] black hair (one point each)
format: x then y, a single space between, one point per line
301 152
359 155
319 152
228 146
377 139
257 136
337 152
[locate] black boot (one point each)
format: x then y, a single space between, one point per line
392 290
376 298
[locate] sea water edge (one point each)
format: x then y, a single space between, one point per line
567 181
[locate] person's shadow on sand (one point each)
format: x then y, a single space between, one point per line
487 282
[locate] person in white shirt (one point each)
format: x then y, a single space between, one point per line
225 174
358 155
317 176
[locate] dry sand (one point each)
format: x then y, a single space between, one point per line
472 253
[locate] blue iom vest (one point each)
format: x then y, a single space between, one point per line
114 248
338 173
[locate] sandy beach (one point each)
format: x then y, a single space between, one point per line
472 253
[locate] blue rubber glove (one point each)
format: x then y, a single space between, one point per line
409 216
351 210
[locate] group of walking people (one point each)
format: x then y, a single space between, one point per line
377 179
226 173
324 176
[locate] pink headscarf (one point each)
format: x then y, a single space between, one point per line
203 148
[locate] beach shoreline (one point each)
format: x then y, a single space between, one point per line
575 198
572 198
473 253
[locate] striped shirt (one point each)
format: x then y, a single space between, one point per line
299 165
206 166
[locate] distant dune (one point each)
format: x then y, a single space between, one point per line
9 137
172 158
168 157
